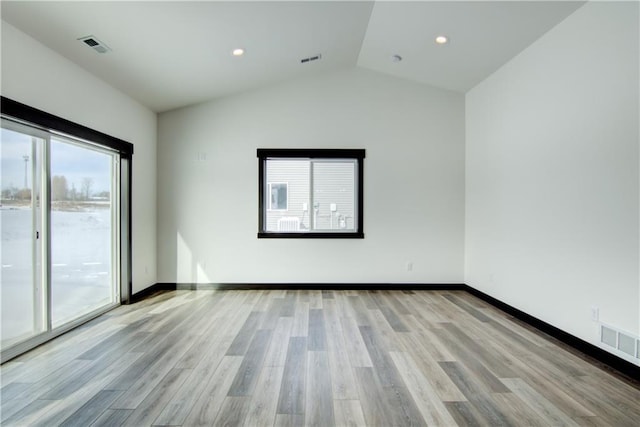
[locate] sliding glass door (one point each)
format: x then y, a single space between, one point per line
83 225
23 301
60 232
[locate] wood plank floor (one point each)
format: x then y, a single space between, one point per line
344 358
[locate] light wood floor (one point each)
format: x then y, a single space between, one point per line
310 358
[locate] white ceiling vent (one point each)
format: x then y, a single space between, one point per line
95 44
311 58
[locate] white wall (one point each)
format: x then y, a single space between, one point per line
35 75
414 182
552 176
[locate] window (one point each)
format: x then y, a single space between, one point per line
278 199
310 193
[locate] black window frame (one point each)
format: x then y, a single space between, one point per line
50 122
265 154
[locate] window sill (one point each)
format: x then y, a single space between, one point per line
311 235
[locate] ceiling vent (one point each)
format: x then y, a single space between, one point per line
311 58
95 44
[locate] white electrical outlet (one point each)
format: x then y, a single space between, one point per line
410 266
595 313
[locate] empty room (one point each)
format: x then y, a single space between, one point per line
331 213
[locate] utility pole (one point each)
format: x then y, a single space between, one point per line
26 161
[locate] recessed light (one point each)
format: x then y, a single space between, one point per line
396 58
442 39
238 52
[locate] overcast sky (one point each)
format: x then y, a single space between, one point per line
73 162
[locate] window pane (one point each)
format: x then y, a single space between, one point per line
278 196
288 195
82 241
22 298
334 195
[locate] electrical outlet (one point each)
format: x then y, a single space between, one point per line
410 266
595 313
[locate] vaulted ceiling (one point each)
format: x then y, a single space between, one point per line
169 54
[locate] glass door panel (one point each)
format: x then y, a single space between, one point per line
22 298
83 234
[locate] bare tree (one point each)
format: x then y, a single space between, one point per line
59 188
85 188
24 194
7 194
73 193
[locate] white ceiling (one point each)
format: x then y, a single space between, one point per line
482 37
168 54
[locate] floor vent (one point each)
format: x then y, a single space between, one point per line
622 342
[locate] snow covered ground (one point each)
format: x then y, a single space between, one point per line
81 268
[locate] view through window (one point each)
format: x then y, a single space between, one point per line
311 193
59 214
82 230
65 254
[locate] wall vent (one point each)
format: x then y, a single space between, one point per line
310 59
608 336
95 44
624 344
